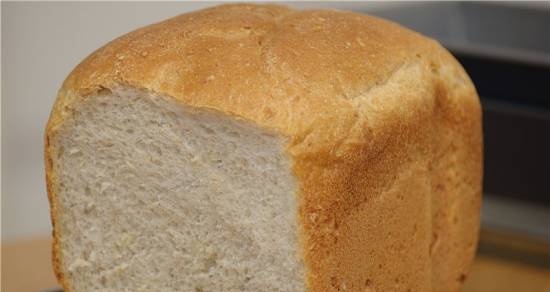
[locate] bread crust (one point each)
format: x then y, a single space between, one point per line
383 124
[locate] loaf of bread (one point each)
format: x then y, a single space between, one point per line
259 148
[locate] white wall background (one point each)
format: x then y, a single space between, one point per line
41 43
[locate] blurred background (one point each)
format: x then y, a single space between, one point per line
505 47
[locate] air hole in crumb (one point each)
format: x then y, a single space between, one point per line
234 134
104 91
208 130
462 278
210 262
157 150
60 151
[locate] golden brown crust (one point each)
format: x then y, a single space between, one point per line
456 173
56 254
383 124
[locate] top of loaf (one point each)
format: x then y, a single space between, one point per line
317 77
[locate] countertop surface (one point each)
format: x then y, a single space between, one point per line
26 267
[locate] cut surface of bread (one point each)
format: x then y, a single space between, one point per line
154 197
259 148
